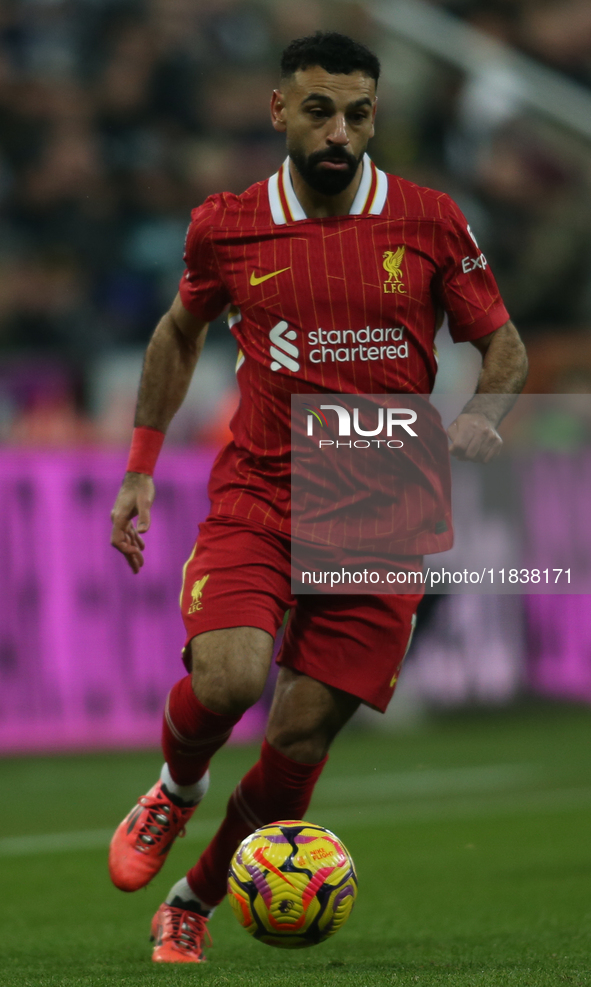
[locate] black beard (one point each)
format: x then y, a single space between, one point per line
325 180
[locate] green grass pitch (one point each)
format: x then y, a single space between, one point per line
471 837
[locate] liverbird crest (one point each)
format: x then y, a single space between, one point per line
196 592
392 263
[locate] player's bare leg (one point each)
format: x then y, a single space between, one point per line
306 716
229 672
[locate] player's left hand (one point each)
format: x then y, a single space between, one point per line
473 437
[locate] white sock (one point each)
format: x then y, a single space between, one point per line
182 894
191 794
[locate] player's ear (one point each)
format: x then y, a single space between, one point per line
278 110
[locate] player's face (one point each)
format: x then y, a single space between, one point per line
328 121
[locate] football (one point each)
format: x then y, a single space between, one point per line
292 884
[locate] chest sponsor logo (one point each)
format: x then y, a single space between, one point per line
350 345
392 264
285 354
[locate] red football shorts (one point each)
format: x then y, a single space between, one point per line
239 576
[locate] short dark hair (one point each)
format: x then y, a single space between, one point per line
335 53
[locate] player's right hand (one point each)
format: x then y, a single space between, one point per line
135 498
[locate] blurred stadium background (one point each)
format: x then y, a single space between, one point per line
470 827
116 118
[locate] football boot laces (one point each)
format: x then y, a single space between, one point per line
161 817
188 930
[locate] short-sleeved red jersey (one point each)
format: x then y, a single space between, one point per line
345 304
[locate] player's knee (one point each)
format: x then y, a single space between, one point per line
229 701
226 690
229 668
305 745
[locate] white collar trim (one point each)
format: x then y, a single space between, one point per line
363 191
293 202
281 181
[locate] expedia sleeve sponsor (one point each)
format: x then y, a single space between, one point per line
465 284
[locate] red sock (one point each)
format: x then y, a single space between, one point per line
275 788
191 733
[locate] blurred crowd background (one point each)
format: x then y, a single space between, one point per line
119 116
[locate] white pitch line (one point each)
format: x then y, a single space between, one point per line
483 802
551 800
85 839
434 781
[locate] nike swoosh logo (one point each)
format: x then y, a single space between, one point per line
254 280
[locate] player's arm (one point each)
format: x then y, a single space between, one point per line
473 435
169 363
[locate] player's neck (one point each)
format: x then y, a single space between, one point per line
318 206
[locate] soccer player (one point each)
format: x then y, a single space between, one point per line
329 243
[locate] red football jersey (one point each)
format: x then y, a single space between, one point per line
345 304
